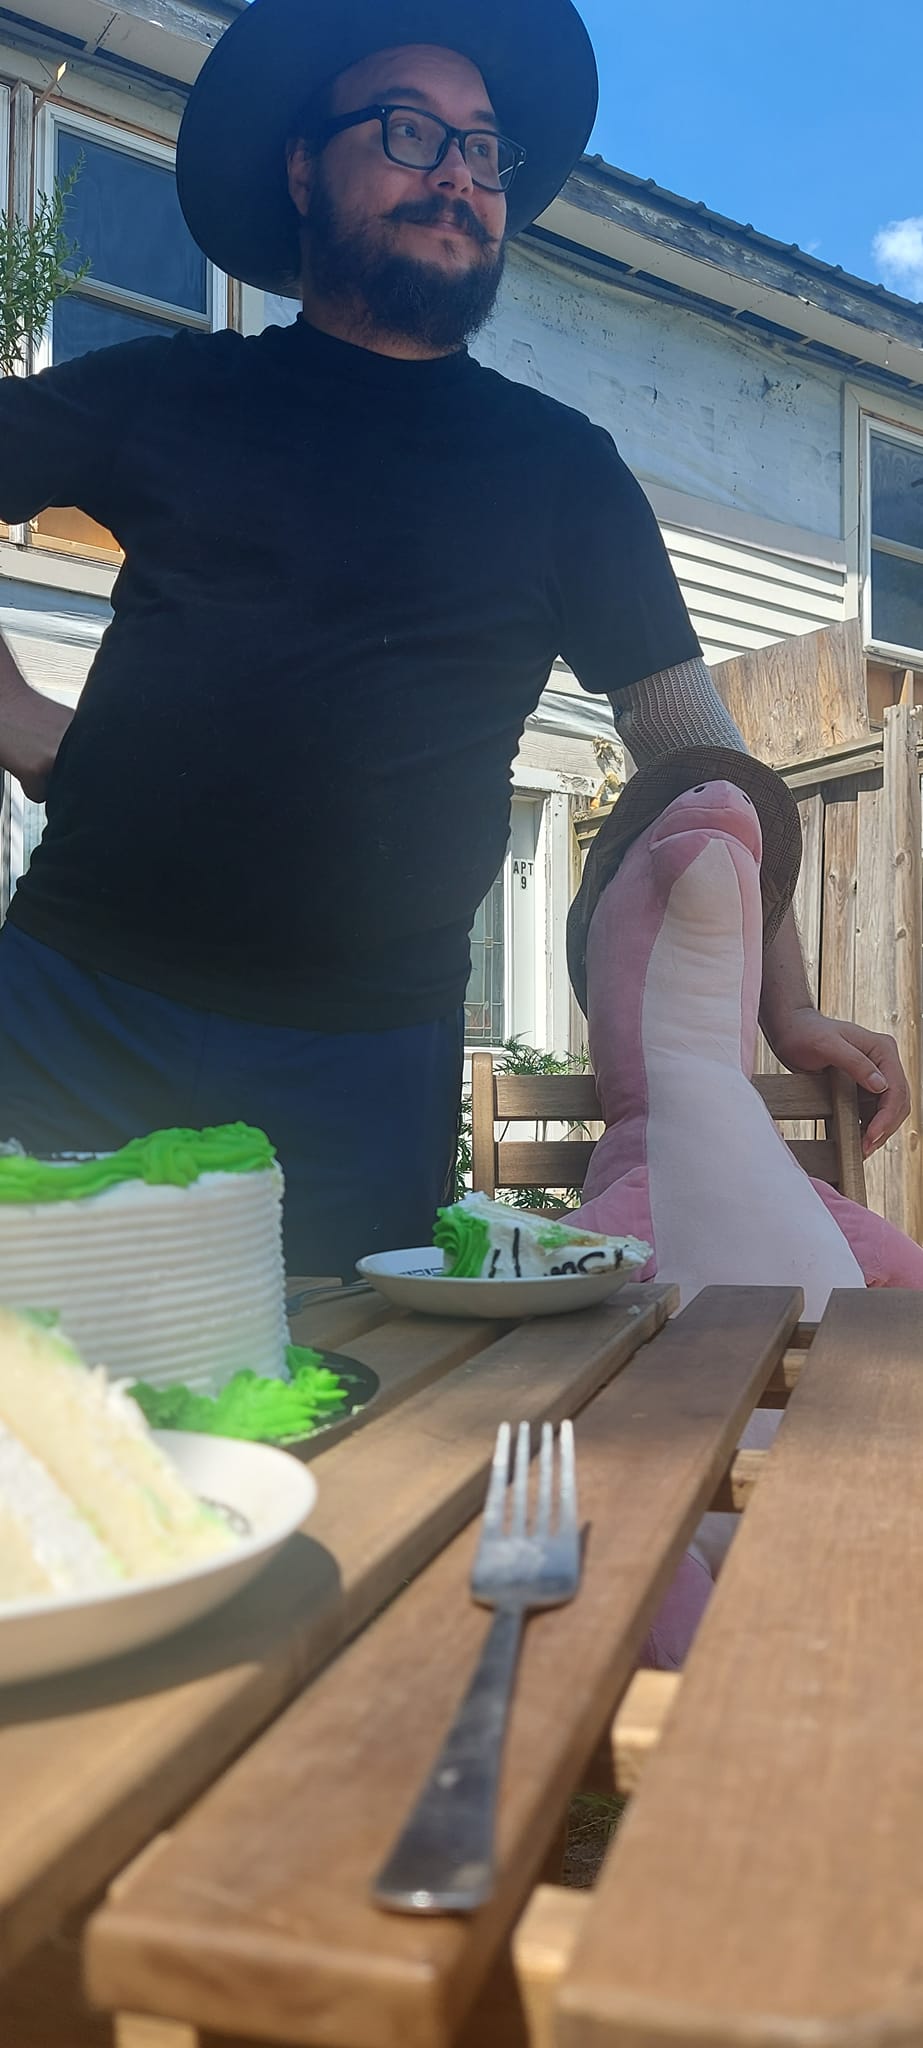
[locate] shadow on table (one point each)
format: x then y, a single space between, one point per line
284 1615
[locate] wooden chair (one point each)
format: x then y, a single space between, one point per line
497 1162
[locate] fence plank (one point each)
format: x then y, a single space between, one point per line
807 906
838 948
801 697
903 892
873 984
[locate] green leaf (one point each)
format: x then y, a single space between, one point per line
38 266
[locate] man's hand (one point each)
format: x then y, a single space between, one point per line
31 728
810 1041
30 740
802 1038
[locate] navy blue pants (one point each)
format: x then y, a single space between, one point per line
364 1123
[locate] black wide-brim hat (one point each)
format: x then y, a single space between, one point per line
640 804
535 57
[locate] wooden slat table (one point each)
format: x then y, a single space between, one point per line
768 1888
92 1767
763 1890
254 1916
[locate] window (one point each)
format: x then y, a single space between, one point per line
485 1002
507 990
146 276
893 524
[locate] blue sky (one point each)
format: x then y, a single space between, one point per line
801 116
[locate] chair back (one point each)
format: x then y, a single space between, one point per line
828 1099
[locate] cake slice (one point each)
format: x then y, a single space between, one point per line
46 1546
484 1240
86 1496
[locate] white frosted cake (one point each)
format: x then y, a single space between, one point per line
484 1240
163 1260
87 1499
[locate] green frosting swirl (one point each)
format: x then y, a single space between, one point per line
164 1159
251 1406
464 1241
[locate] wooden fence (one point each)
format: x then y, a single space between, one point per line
859 910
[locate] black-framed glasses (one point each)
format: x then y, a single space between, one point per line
421 142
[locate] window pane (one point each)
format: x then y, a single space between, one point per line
80 324
897 600
484 1019
897 490
125 217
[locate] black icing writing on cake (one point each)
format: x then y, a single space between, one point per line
587 1263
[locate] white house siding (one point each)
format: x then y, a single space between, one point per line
741 597
738 445
716 411
53 641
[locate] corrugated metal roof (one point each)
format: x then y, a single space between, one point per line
697 209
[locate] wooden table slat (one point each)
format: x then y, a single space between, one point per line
93 1765
764 1891
334 1325
255 1914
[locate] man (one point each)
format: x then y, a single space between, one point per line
352 555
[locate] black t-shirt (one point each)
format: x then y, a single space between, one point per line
286 787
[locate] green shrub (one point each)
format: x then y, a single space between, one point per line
34 273
515 1057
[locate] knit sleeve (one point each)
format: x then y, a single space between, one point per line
680 707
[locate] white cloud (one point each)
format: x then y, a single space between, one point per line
898 250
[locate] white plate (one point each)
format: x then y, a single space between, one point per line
416 1280
271 1491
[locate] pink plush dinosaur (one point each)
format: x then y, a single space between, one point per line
690 1159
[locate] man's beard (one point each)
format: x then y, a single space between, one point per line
398 295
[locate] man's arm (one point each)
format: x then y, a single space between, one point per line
31 727
58 432
801 1037
681 708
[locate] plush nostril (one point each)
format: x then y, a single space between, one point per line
699 789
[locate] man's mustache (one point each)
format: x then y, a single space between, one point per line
424 213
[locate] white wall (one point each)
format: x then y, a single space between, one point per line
738 446
704 409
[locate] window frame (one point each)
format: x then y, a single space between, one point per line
6 101
893 429
6 109
150 149
526 998
481 1043
133 142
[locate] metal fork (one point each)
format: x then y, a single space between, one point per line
443 1861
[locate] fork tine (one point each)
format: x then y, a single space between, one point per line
545 1481
568 1520
495 1504
521 1479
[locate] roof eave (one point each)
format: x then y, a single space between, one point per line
739 271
